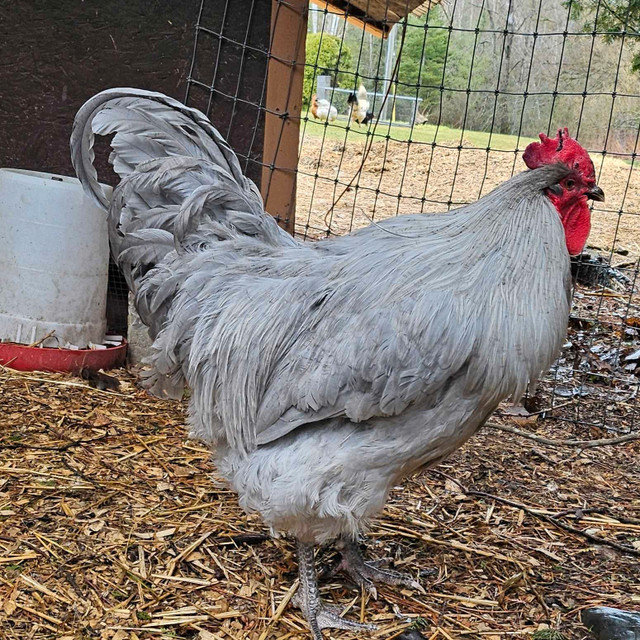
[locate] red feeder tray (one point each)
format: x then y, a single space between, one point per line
24 358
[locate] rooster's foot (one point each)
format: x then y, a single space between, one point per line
318 615
326 617
366 573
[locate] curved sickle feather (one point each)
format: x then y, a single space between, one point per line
148 125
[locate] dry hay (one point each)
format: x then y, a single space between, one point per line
112 527
424 177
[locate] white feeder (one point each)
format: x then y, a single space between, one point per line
54 260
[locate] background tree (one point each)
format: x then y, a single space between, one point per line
617 18
503 66
422 59
326 55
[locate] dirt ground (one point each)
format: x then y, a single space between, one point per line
114 526
409 178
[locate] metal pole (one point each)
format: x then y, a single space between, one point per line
323 87
388 70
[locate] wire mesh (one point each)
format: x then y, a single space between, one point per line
483 78
227 77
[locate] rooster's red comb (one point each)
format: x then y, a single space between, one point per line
562 148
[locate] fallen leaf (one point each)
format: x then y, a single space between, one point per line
96 526
9 606
144 536
100 420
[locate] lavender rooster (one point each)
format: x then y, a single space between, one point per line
323 373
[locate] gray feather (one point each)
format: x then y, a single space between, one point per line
323 372
161 125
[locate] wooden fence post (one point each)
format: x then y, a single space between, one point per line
285 76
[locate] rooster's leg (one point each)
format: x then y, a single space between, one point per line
365 574
307 599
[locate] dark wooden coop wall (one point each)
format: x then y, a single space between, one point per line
227 80
55 55
247 71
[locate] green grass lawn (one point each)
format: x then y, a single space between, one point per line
425 133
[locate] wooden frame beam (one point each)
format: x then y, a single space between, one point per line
285 75
352 15
375 16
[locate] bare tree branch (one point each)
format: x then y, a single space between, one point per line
623 548
583 444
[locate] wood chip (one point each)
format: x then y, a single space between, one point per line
94 541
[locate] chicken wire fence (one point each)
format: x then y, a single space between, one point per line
457 92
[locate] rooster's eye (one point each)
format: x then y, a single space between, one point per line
570 184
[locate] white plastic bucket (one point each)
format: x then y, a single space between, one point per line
54 260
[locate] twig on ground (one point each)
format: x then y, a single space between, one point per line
60 448
534 512
561 525
583 444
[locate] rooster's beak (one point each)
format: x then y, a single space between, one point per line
595 193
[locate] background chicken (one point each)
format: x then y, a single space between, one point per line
323 109
360 106
323 373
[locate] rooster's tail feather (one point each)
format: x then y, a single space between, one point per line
181 192
148 126
182 184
